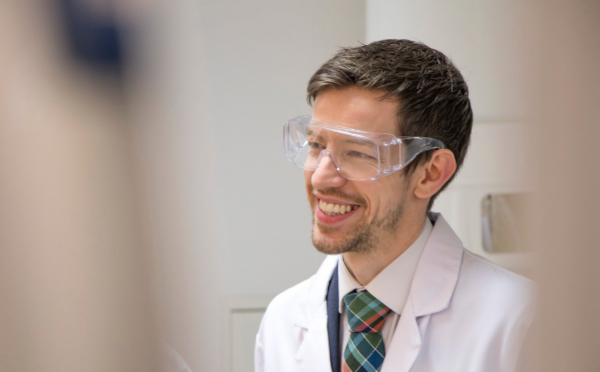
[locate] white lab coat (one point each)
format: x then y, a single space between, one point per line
463 314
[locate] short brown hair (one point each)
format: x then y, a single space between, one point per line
432 94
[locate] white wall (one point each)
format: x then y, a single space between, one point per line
259 68
485 40
226 214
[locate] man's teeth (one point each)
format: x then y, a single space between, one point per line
333 209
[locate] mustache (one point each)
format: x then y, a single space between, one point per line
341 195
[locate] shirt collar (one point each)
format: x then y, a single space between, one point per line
392 285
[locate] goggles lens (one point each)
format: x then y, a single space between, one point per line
357 155
355 158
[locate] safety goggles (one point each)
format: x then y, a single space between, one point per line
357 155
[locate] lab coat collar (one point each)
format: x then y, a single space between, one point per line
437 270
317 292
431 291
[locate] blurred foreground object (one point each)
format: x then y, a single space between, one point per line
92 32
72 289
567 214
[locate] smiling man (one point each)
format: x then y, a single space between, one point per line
398 292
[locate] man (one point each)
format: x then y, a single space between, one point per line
398 292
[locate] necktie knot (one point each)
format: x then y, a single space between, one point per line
365 313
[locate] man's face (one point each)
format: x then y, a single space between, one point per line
376 207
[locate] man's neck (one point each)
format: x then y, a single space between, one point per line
365 266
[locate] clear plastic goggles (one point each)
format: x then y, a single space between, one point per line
357 155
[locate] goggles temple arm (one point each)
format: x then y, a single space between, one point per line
413 146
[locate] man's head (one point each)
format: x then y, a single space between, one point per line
390 86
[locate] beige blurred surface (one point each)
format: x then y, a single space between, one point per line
72 287
567 229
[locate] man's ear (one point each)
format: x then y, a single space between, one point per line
435 173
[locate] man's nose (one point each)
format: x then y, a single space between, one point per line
326 175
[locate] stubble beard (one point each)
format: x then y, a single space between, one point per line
365 238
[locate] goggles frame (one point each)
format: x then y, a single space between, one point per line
387 144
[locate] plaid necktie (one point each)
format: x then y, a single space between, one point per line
365 350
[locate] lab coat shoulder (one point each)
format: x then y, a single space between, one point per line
480 274
490 314
287 318
496 293
278 319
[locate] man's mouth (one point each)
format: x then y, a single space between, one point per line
332 209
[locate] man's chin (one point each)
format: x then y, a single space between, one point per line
333 240
325 240
328 247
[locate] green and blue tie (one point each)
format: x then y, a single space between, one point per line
365 349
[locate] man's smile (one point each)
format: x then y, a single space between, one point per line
330 211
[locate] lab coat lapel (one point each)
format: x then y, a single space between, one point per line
313 354
406 343
431 292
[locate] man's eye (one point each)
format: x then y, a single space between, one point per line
316 145
360 155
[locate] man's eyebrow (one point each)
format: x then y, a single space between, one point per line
350 139
310 132
359 141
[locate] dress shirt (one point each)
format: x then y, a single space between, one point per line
391 286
